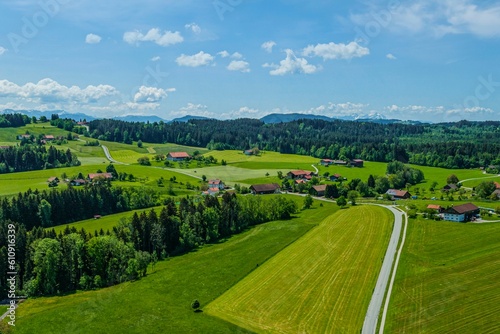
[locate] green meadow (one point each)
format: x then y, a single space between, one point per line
161 301
447 279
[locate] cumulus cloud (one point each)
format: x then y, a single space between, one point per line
156 58
2 50
336 51
292 64
391 56
225 54
192 109
199 59
93 39
149 94
193 27
154 35
268 46
439 114
239 65
48 90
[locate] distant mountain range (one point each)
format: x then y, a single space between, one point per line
269 119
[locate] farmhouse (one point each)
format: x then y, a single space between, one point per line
263 189
77 182
248 152
335 177
49 138
178 156
53 179
20 137
326 162
319 190
497 185
450 187
216 184
461 213
340 162
435 207
300 174
211 192
357 163
398 194
97 176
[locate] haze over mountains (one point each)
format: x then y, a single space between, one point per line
268 119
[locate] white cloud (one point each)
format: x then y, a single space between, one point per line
93 39
268 46
193 110
336 51
50 91
224 54
391 56
199 59
239 65
156 58
237 55
438 18
2 50
149 94
291 64
154 35
193 27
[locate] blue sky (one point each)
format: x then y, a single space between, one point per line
422 60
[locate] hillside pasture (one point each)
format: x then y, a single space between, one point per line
163 298
447 279
322 283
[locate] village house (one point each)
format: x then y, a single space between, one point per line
178 156
497 185
335 177
300 174
211 192
49 138
97 176
20 137
319 191
357 163
461 213
216 184
437 208
450 187
53 179
340 162
398 194
263 189
326 162
78 182
248 152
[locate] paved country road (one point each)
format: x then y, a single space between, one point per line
371 319
110 158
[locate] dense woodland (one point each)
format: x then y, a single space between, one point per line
14 120
454 145
34 157
49 264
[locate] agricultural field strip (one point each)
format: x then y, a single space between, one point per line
316 282
370 323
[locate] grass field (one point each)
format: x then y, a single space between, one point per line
106 222
161 301
447 280
320 284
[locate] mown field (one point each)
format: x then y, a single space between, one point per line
320 284
161 302
447 280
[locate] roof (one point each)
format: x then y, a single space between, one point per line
397 193
215 181
300 181
105 175
338 176
340 162
265 187
450 186
497 185
214 190
468 207
53 178
327 160
320 188
358 160
179 155
300 172
434 207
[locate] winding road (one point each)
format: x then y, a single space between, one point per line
109 157
371 319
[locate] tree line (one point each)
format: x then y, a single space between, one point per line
448 145
57 207
14 120
32 157
49 263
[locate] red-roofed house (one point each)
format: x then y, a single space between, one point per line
300 174
178 156
357 163
319 190
326 162
398 194
262 189
218 184
435 207
49 137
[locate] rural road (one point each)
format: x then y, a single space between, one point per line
371 319
108 155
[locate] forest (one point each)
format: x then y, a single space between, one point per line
49 263
447 145
34 157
